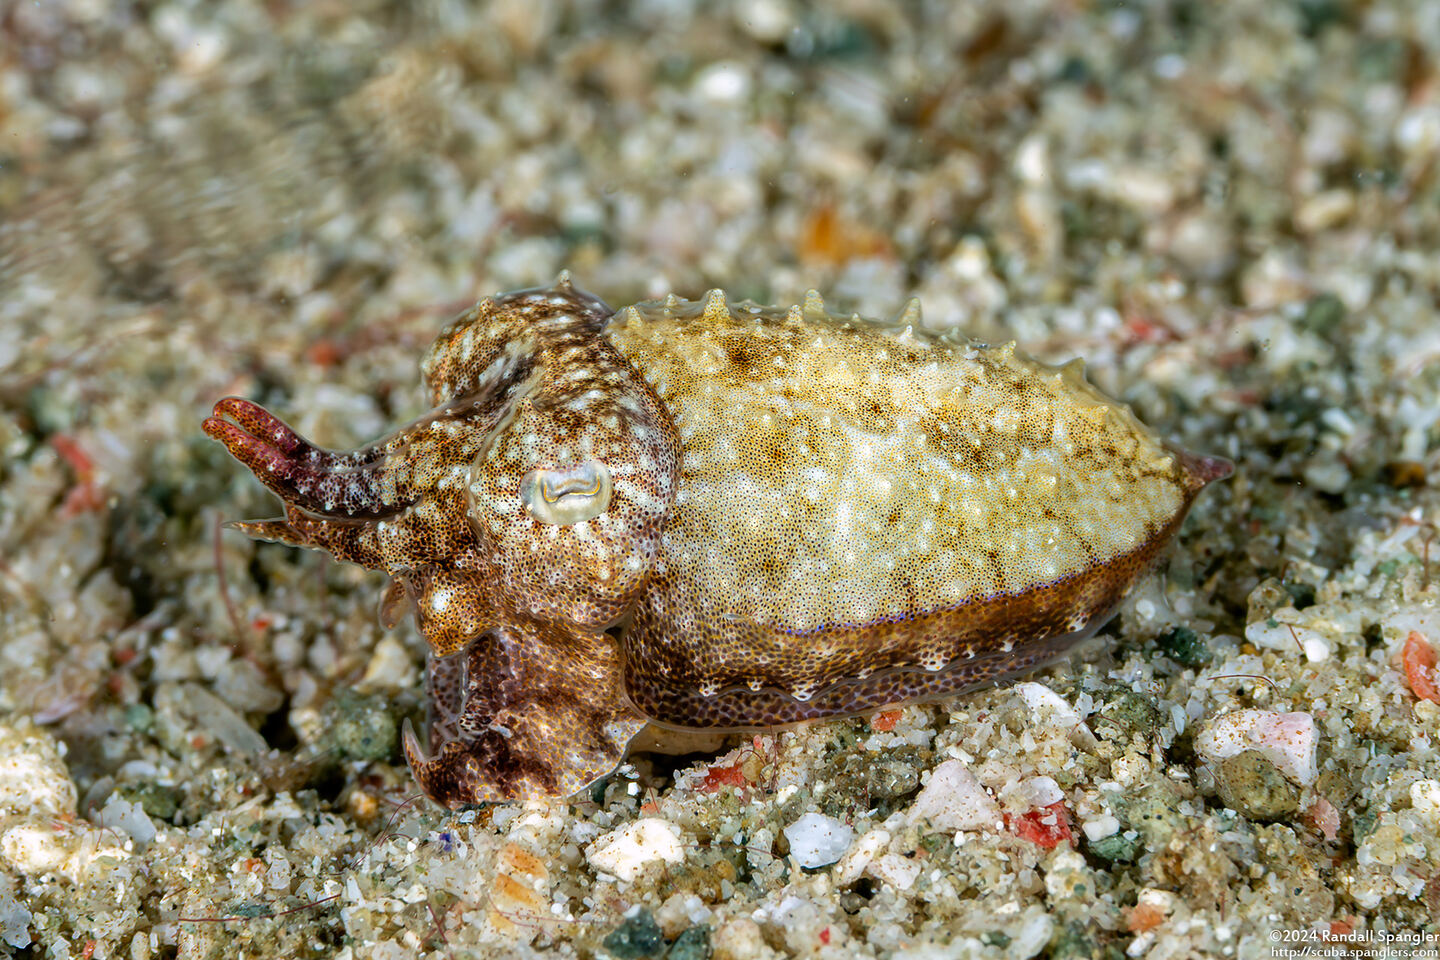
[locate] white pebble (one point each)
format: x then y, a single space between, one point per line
34 848
1285 636
1285 739
817 840
1425 799
769 21
624 852
34 780
1047 705
1177 718
15 920
895 870
1101 827
858 860
1042 791
954 800
1032 161
723 83
127 817
1033 935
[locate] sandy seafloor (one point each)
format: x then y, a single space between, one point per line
1231 211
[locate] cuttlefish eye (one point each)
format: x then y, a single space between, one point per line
566 495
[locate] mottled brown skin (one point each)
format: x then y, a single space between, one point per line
980 643
524 680
715 515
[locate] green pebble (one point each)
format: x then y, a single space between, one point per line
140 718
1117 848
252 910
637 936
1130 710
940 845
1323 314
1152 813
1073 943
1381 60
362 727
1317 15
157 801
1185 647
1250 785
693 944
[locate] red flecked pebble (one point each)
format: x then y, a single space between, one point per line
1047 826
1143 917
717 777
885 721
1419 660
1323 816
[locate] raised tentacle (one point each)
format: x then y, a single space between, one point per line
324 482
259 422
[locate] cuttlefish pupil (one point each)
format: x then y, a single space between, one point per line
566 495
552 495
